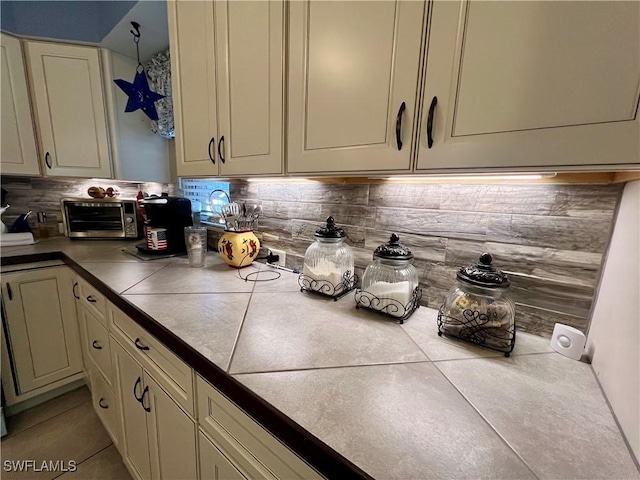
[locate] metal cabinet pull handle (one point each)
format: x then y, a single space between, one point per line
135 387
144 393
212 142
220 145
139 346
47 160
101 405
96 345
9 292
90 299
75 285
399 125
432 109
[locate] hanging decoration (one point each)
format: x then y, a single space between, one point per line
139 93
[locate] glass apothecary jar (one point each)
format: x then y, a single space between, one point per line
390 282
328 263
478 309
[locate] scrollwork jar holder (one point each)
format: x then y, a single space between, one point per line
328 264
390 282
478 310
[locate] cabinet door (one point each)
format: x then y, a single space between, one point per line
250 73
129 387
352 67
41 326
214 465
105 405
193 74
531 84
96 341
18 142
172 435
70 109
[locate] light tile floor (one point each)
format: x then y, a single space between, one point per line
64 428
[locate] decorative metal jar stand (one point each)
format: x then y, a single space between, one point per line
326 288
474 327
389 307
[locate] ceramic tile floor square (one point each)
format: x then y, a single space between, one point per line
62 429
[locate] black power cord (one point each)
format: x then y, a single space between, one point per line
249 276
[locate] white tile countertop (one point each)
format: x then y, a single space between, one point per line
396 400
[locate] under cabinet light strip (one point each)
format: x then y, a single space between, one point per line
437 178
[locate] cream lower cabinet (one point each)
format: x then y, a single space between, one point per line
353 73
159 438
67 94
214 465
18 152
537 84
41 349
240 445
228 83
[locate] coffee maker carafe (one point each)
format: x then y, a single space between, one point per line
172 213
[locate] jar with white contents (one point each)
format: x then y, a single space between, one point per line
478 309
390 282
328 263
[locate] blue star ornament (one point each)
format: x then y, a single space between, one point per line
140 96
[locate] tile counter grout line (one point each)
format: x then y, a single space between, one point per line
416 343
493 357
150 275
615 419
435 364
331 367
237 339
89 457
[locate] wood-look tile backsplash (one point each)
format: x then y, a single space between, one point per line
549 238
44 194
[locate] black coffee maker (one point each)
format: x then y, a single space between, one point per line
172 213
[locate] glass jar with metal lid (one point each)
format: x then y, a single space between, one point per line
478 309
328 263
390 282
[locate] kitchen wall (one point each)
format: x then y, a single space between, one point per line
44 194
549 238
614 335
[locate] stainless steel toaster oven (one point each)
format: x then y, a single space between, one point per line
101 218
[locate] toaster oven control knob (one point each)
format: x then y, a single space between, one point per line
128 220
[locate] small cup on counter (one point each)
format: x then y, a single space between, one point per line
196 241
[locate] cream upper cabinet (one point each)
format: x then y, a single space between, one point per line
70 110
352 85
18 152
531 84
228 69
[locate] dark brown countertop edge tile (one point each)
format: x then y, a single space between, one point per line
315 452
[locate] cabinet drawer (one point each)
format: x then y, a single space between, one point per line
92 300
246 443
97 344
175 376
105 405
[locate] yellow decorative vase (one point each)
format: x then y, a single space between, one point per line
238 249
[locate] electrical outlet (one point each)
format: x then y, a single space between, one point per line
281 254
61 227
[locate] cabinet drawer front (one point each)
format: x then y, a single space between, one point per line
92 300
105 405
175 376
250 445
97 344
